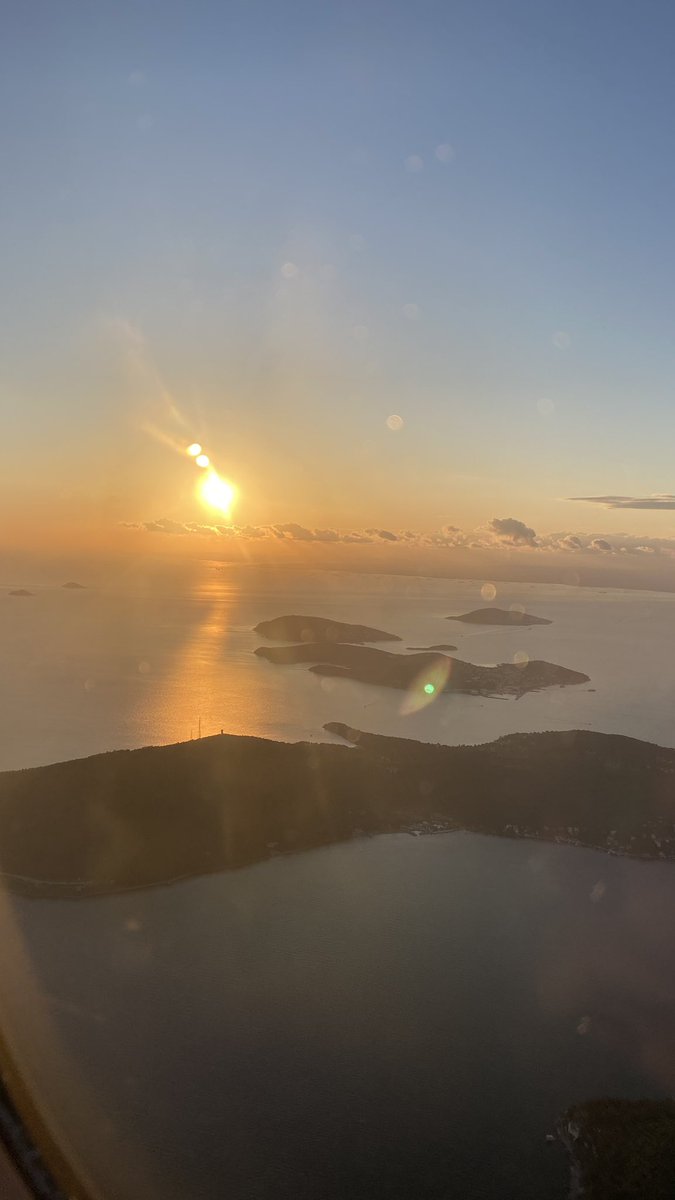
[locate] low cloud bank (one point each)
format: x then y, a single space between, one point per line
501 533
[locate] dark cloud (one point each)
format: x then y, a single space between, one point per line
508 529
664 501
601 544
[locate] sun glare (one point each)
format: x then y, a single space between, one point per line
194 450
217 492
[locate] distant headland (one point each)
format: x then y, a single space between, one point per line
72 583
320 629
500 616
138 818
21 592
441 646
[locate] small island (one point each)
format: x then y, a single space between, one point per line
434 671
441 646
320 629
73 585
620 1148
138 818
21 592
499 616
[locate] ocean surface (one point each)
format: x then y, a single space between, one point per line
148 661
397 1017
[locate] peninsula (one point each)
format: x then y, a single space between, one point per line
620 1148
320 629
137 818
500 616
434 671
441 646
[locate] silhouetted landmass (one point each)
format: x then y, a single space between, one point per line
142 817
499 616
621 1149
73 584
21 592
320 629
441 646
435 671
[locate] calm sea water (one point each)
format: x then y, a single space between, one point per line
140 662
392 1018
395 1017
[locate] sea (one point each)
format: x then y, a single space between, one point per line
395 1017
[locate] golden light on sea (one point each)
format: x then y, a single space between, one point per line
216 492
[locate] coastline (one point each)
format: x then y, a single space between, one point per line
140 818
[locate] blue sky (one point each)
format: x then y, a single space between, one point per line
304 218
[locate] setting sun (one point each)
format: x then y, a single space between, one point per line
217 492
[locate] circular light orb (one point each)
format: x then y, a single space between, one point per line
194 449
395 423
488 591
444 153
216 492
202 460
429 689
546 406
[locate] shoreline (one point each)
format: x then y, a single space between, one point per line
137 818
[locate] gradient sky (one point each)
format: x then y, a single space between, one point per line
272 225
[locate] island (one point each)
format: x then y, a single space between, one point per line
441 646
434 673
21 592
320 629
138 818
620 1148
72 584
500 616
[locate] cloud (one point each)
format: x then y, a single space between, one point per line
165 525
355 536
246 531
298 533
508 529
502 534
664 501
385 534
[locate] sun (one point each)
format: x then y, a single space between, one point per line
216 492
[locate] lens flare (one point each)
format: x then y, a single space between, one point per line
194 449
428 685
202 460
217 492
